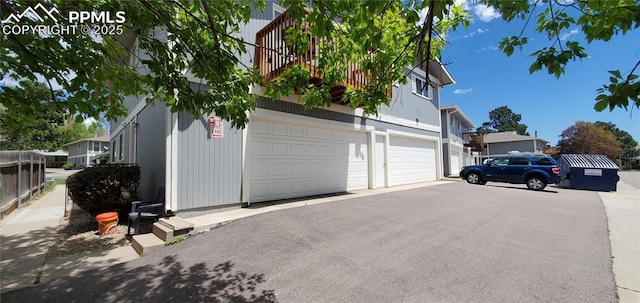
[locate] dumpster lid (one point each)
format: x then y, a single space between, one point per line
588 161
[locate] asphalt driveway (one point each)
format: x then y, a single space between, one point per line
448 243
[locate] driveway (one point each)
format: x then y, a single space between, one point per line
449 243
59 173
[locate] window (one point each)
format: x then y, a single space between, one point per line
500 162
96 146
114 150
421 87
543 161
277 10
121 147
518 161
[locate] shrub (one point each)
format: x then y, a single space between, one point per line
105 188
68 166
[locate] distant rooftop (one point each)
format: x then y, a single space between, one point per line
105 138
508 137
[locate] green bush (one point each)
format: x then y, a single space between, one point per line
105 188
68 166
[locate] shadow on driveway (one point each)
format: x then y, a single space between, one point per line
167 281
546 190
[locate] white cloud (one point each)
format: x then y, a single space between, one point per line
566 36
462 91
471 34
88 121
464 3
487 48
486 13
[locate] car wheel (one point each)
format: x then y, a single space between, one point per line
473 178
536 183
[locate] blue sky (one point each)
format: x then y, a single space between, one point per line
486 78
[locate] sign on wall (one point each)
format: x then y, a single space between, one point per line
216 127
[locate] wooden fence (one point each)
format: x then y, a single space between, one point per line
22 173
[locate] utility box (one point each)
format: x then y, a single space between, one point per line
590 172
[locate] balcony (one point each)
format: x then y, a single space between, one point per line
474 140
274 55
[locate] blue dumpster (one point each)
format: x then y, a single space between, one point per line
590 172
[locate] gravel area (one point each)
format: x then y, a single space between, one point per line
78 233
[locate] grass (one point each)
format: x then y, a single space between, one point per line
60 181
174 241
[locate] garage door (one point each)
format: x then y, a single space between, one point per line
289 160
411 160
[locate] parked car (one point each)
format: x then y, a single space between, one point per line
534 170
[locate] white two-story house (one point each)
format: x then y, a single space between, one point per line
285 151
456 127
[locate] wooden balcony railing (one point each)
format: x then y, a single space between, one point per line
274 54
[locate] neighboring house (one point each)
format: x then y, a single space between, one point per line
285 151
81 151
504 142
55 159
456 127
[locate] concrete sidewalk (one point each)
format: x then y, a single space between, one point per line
26 237
623 216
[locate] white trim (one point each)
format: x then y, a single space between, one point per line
370 150
412 135
174 161
260 91
171 150
245 192
414 87
262 113
142 103
408 123
277 8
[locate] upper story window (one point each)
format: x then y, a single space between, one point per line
277 10
96 146
421 87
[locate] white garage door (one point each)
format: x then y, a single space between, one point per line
292 160
411 160
455 165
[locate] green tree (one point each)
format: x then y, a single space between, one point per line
201 38
40 129
627 143
503 119
598 20
46 127
587 138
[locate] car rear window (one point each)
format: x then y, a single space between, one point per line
543 161
518 161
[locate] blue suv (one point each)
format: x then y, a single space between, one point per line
536 171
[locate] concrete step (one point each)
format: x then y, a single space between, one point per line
146 243
166 233
176 224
